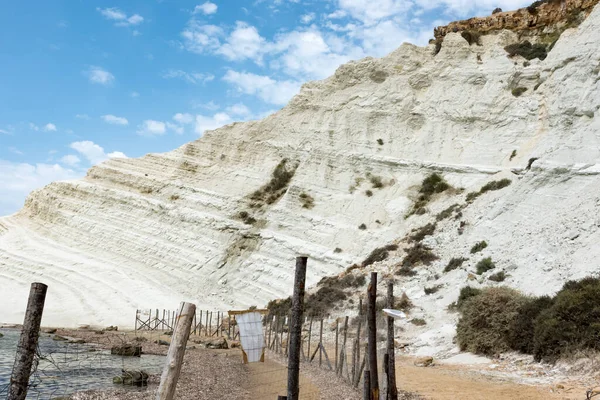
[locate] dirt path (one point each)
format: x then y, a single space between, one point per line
453 382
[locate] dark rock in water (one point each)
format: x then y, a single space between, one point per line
1 335
59 338
131 378
111 328
127 350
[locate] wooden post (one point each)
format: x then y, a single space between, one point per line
137 316
372 335
343 352
295 328
19 380
367 382
270 331
391 352
170 375
228 326
337 333
309 336
358 329
321 343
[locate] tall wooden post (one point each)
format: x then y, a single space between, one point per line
367 381
392 393
337 334
19 380
295 328
372 335
170 375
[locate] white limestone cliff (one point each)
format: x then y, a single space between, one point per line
150 232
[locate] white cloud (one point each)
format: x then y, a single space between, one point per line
114 120
243 43
194 77
207 8
239 109
204 123
178 129
16 151
117 154
33 127
152 128
136 32
17 180
374 10
71 160
134 94
183 119
200 38
120 18
50 127
99 76
307 18
94 153
4 132
269 90
82 116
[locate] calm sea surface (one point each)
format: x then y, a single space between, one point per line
67 368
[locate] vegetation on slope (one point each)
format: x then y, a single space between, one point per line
494 320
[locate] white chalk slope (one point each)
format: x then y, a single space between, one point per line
151 232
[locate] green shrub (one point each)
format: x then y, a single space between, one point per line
434 183
527 50
362 227
478 247
530 162
486 320
406 270
513 155
465 294
454 264
423 231
497 277
432 289
380 142
490 186
472 37
521 332
369 193
307 201
174 197
518 91
418 254
337 250
376 182
447 213
379 254
418 322
404 303
277 185
571 323
485 265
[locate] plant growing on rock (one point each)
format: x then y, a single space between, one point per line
379 254
431 185
422 232
518 91
307 201
479 246
485 265
362 227
488 187
497 277
454 264
527 50
278 184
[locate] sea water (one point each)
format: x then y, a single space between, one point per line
62 368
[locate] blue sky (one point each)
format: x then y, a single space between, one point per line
82 81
